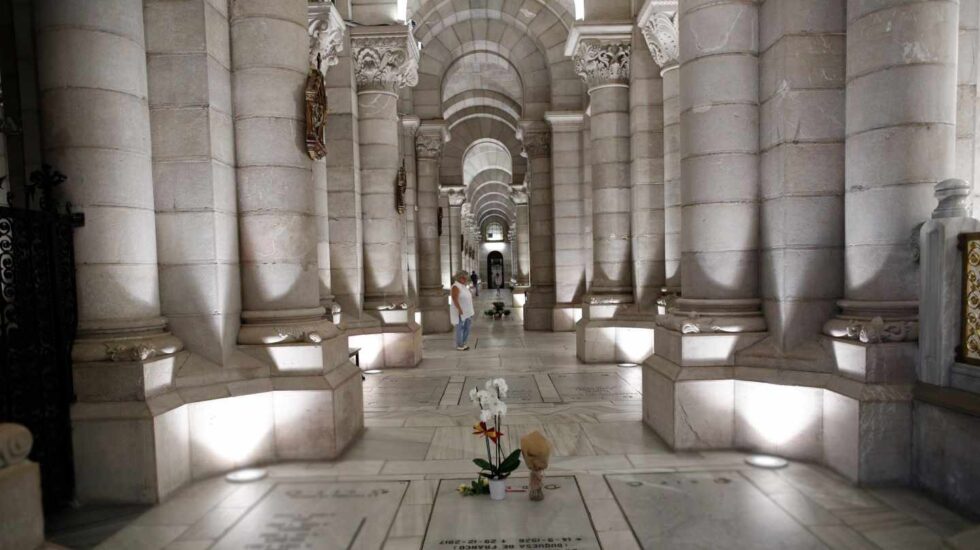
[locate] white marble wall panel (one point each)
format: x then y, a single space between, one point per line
189 76
646 177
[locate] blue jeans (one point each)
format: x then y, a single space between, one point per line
463 331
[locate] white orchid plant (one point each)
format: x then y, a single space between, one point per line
497 465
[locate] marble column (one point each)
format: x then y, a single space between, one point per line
429 142
522 245
569 215
660 33
900 141
690 396
605 66
277 230
327 32
646 179
410 267
719 108
96 130
538 310
967 97
445 250
456 199
386 59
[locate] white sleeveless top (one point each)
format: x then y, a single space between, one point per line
465 303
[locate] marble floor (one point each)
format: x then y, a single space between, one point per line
613 484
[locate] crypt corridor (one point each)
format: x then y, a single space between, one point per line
736 241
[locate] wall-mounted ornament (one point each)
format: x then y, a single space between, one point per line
401 185
439 220
316 115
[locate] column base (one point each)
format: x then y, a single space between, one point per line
142 430
538 309
124 341
564 317
519 294
395 341
860 427
434 309
611 331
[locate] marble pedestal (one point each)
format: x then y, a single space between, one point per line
520 300
21 516
856 420
613 333
434 309
141 430
394 340
565 316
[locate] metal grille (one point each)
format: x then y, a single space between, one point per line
37 327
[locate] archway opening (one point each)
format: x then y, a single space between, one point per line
495 270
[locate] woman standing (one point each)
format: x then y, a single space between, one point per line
461 310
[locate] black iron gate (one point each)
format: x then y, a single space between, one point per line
37 327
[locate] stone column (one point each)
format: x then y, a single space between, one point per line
541 297
660 32
410 267
719 313
445 250
522 252
277 231
720 158
429 143
894 156
900 140
646 179
456 198
569 215
605 66
327 31
96 129
386 59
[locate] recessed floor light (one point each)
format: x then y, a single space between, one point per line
373 371
766 461
628 365
247 475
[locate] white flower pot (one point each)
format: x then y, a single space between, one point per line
498 489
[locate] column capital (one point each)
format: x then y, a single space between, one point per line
454 193
536 136
326 28
601 53
386 58
660 32
518 194
410 124
431 138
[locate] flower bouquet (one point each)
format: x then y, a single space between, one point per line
498 465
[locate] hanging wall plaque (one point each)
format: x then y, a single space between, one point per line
316 115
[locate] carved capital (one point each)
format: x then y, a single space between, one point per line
518 194
537 144
430 140
384 61
660 32
455 195
326 29
15 444
601 62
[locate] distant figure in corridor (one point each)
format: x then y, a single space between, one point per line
461 310
476 282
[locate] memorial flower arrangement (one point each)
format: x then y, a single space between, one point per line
498 465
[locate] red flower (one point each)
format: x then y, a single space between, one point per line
492 433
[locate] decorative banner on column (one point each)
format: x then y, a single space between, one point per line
316 115
969 349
